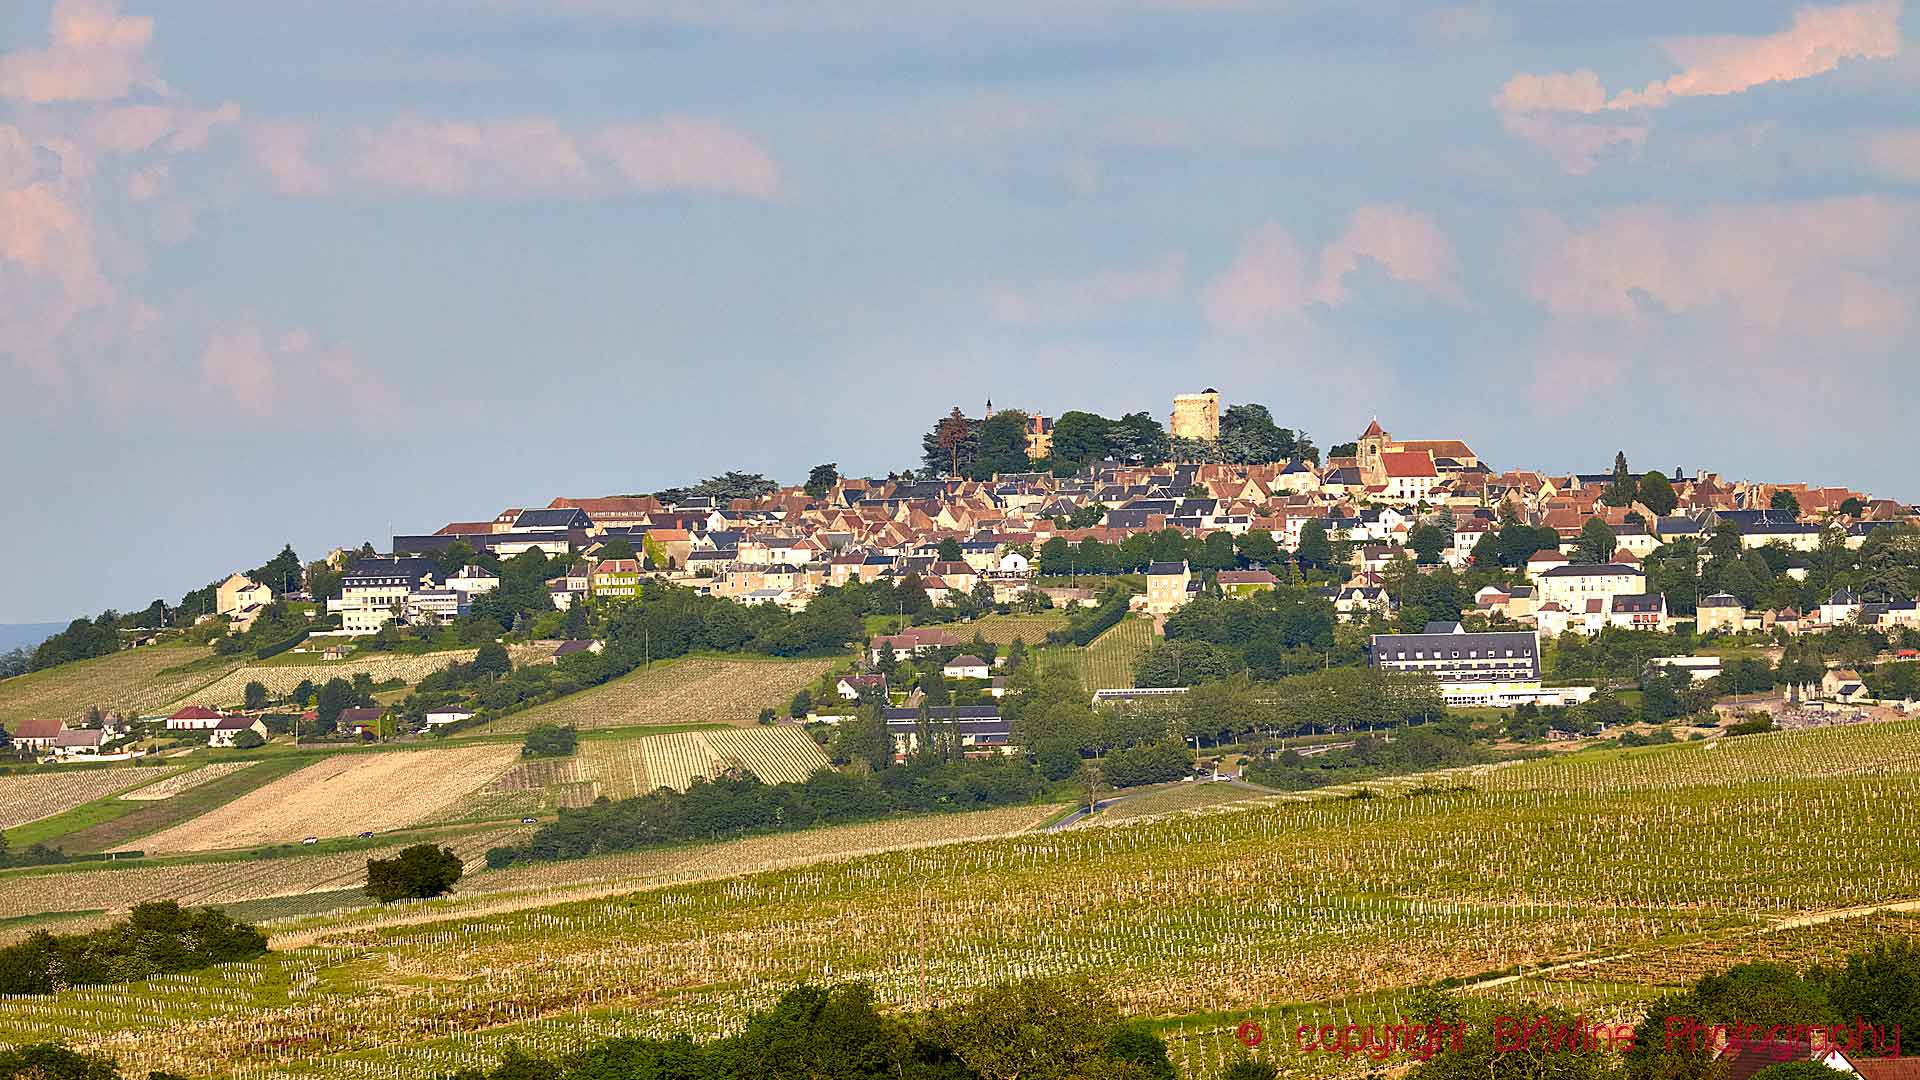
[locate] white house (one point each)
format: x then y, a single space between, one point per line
968 666
229 729
1572 585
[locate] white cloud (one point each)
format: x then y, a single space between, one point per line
95 54
532 155
1572 115
1273 280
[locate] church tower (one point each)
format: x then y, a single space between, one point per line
1372 445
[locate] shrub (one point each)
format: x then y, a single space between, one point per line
550 740
248 740
156 939
418 872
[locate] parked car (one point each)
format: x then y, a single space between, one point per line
310 840
528 820
368 835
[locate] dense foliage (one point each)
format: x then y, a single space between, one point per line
550 740
737 804
1034 1030
155 939
418 872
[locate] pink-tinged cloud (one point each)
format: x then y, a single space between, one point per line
1405 243
252 374
1572 116
1825 266
526 156
1273 280
1267 281
133 129
94 54
1072 300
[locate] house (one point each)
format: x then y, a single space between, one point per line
967 666
920 639
241 599
614 577
194 718
978 730
1842 606
374 592
1639 611
37 734
1573 585
1357 603
229 728
1843 684
1168 586
443 717
1244 583
81 742
574 647
1498 669
1721 613
361 721
850 687
1544 560
472 581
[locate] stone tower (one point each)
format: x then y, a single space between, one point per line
1196 416
1372 444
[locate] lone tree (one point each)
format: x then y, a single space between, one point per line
418 872
256 695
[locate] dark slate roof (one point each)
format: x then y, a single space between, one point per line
563 518
1719 599
1632 602
1166 568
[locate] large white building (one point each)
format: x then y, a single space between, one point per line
376 591
1571 586
1500 669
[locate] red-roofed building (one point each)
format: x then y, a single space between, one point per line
195 718
38 733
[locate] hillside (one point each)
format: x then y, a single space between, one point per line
1282 909
690 690
134 680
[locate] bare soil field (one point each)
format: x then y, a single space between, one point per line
622 768
183 781
343 795
693 690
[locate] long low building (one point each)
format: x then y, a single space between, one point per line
1499 669
978 728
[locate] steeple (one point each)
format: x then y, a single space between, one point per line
989 415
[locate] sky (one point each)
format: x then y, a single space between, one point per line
318 272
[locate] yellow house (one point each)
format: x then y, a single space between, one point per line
1167 586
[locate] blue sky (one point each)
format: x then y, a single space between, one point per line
308 275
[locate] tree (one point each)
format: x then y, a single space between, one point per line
492 661
1315 551
51 1061
863 737
418 872
1256 547
949 550
1428 542
1622 490
1037 1029
801 705
281 573
254 697
550 740
1248 436
1785 500
821 478
335 696
1138 439
617 548
1852 507
1002 446
951 445
249 740
1655 492
1596 543
1080 439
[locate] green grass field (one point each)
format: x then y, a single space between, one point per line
1106 663
1615 872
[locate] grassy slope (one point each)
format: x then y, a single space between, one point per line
683 691
106 824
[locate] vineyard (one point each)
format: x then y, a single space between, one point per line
1001 630
1107 663
42 795
119 887
1601 873
281 678
692 690
184 781
132 681
622 768
341 795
